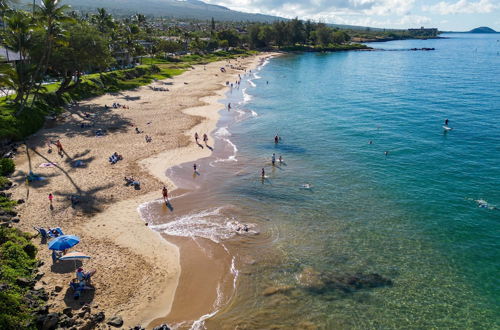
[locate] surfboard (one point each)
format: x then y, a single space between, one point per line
446 128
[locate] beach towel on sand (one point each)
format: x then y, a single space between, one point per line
47 165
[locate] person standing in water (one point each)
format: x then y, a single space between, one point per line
280 159
165 194
273 159
263 174
194 167
276 139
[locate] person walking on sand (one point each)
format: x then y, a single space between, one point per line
273 159
51 197
196 137
205 138
165 194
59 147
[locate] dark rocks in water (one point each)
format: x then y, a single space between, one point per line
115 321
277 289
359 281
162 327
313 280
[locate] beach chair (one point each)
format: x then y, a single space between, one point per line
78 287
43 233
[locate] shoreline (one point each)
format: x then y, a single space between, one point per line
150 263
196 305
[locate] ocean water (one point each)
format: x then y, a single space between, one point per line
426 216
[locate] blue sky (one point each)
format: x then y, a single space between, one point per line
447 15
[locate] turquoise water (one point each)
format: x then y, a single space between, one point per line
411 216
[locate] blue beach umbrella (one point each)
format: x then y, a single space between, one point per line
63 242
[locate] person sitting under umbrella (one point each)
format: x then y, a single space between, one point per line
81 275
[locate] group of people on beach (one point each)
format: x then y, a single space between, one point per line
205 139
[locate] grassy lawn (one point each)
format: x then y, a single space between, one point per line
96 84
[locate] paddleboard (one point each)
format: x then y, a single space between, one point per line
446 128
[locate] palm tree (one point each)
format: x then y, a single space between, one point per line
18 38
103 20
5 8
49 15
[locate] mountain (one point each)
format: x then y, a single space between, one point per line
193 9
483 29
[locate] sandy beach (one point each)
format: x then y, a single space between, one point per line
137 270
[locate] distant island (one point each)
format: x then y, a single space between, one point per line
483 29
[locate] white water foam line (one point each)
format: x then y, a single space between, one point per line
246 97
205 224
222 131
251 83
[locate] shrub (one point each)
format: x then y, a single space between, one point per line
17 259
4 182
7 166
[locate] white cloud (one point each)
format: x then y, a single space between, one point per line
462 7
309 8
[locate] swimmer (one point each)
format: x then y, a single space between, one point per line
306 186
371 142
165 194
273 159
386 153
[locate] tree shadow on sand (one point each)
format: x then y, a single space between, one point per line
86 200
84 121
